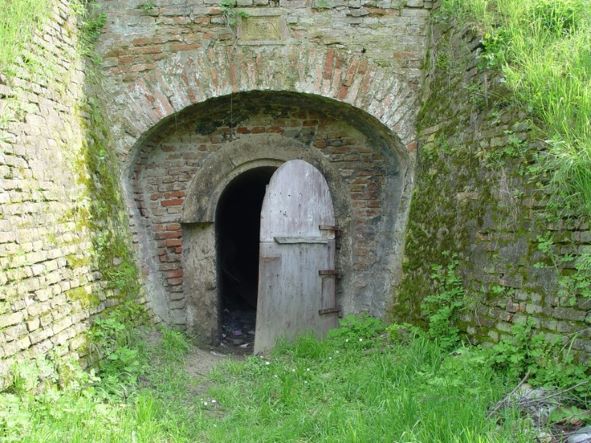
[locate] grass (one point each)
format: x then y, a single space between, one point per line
359 385
543 49
19 19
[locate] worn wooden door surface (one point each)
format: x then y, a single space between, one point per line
297 257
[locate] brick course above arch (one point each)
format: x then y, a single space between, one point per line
362 60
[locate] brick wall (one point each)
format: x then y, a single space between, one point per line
161 61
50 284
478 196
361 172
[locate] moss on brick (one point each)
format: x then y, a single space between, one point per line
481 194
86 298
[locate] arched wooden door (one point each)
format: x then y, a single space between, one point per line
297 257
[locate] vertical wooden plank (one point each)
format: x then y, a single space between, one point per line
293 251
267 308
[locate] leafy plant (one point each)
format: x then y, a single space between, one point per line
174 344
575 279
577 283
148 6
231 13
404 332
15 418
443 307
541 48
494 48
357 330
112 338
547 362
329 390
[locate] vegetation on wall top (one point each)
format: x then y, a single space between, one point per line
18 22
543 49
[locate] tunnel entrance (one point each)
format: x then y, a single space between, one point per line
237 231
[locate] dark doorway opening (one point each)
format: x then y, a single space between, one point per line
237 231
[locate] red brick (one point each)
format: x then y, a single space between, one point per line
411 147
175 281
343 91
328 64
177 273
166 235
184 46
173 202
174 194
173 242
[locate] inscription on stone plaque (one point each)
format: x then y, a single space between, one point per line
261 28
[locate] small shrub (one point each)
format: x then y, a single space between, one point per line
230 13
15 418
148 6
115 347
404 333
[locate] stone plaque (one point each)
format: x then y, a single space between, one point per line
261 28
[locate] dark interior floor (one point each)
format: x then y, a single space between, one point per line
238 225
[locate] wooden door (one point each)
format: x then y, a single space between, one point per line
297 257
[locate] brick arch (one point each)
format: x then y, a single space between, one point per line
168 104
199 205
187 79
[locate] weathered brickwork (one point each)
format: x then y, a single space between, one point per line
162 59
49 286
362 174
477 196
196 94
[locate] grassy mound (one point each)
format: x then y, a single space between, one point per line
543 49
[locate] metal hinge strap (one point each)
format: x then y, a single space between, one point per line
329 311
329 272
332 228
